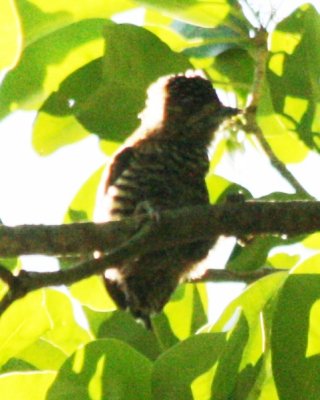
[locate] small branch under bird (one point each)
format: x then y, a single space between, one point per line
162 166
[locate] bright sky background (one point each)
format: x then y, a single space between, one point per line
38 189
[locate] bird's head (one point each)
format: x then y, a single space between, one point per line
182 100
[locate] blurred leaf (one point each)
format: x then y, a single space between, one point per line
216 186
83 204
92 293
283 260
211 42
312 241
183 306
200 307
233 71
22 324
16 364
209 13
279 131
50 132
253 255
26 385
107 94
103 369
43 355
40 18
109 147
224 385
295 371
294 76
251 303
122 326
65 332
10 263
309 266
177 371
10 34
47 61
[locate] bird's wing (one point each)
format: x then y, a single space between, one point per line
118 165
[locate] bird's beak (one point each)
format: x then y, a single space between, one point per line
229 111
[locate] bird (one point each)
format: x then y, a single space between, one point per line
162 166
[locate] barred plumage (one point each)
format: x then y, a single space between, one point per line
163 164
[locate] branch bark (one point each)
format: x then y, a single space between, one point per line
171 229
126 239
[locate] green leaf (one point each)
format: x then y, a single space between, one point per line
186 301
83 204
254 300
65 332
122 326
284 260
233 71
47 61
43 355
10 34
312 241
253 255
22 324
51 132
103 369
26 386
279 131
295 338
92 293
227 375
209 13
185 371
40 18
294 76
107 94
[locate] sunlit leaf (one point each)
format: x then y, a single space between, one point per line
84 202
121 325
40 18
279 131
203 13
283 260
193 358
296 367
22 324
180 311
26 385
251 302
226 380
107 94
103 369
10 34
65 332
47 61
50 132
43 355
294 76
92 293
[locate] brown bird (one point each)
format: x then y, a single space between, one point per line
162 166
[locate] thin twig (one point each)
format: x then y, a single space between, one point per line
225 275
261 56
280 166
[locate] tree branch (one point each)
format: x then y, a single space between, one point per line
174 227
126 239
